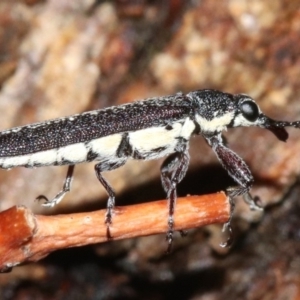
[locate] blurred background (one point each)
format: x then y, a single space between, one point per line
60 57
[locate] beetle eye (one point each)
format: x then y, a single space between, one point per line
249 110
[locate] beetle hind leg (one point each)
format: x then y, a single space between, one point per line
66 188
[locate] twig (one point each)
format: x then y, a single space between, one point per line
26 237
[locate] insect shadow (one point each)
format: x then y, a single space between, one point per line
208 179
204 180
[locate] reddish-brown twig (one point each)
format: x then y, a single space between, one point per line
27 237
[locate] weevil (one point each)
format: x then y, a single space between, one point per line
143 130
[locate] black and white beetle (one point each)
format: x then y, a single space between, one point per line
146 129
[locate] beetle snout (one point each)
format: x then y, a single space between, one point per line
276 127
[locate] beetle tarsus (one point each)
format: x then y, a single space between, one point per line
228 243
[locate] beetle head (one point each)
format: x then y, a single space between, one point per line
249 114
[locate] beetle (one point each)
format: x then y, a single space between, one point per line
143 130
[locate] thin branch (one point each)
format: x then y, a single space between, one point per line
26 237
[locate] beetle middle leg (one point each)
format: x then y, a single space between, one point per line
108 166
173 170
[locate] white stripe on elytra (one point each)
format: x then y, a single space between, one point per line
105 147
44 158
10 162
145 141
75 153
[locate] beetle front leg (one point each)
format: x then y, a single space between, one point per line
240 173
236 168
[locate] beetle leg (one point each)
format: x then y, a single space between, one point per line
173 170
240 173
